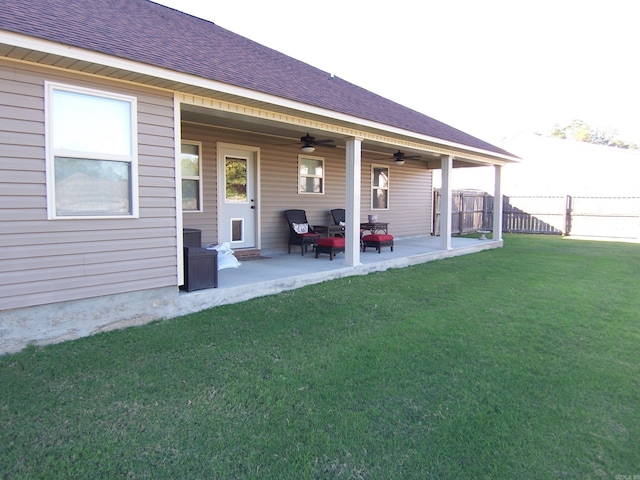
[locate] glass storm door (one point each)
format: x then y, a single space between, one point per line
238 206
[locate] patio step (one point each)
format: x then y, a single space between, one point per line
247 254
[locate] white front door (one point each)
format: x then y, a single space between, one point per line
238 203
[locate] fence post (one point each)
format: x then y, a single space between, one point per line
461 214
567 215
484 211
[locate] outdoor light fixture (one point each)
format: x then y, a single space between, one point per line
308 148
399 161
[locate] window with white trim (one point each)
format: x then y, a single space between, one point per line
92 168
310 174
379 187
191 170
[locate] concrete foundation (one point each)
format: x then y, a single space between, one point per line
63 321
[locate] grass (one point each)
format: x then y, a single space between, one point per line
521 362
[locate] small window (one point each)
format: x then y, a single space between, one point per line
310 174
379 187
235 179
91 153
191 171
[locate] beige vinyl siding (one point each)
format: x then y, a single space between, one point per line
410 197
280 191
44 261
410 193
207 219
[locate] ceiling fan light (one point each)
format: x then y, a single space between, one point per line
308 148
399 162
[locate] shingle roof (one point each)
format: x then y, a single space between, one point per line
153 34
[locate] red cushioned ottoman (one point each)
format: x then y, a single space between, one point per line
330 245
377 240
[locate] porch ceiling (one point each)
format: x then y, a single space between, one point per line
286 132
206 116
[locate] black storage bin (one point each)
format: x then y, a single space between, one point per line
191 237
200 268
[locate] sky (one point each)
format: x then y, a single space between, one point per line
491 68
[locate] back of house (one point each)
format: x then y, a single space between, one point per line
122 123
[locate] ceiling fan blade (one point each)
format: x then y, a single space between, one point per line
325 143
399 157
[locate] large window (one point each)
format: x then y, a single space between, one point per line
310 174
379 187
91 153
191 168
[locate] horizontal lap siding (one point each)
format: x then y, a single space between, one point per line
44 261
207 219
410 197
410 194
280 191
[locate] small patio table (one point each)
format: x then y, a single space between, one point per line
329 230
374 227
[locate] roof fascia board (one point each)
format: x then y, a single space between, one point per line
55 48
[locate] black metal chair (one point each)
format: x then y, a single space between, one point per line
300 232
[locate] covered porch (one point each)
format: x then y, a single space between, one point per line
280 272
273 152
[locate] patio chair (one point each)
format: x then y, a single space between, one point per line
338 215
300 232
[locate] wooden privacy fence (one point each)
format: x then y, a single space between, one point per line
469 211
472 210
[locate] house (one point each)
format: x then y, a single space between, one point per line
123 122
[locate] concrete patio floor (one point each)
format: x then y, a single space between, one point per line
279 272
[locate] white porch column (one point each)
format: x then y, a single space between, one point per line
445 202
352 202
177 141
497 204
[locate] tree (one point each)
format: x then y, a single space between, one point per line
580 131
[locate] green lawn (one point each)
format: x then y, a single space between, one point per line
516 363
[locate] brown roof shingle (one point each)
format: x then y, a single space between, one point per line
153 34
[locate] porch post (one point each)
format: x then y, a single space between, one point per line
445 202
497 204
352 202
177 141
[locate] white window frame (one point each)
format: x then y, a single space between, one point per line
310 175
374 187
194 177
51 152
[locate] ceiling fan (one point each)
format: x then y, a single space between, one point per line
310 143
399 157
